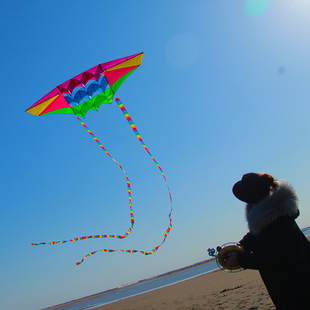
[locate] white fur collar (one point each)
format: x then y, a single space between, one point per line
283 201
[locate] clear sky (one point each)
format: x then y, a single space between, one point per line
223 89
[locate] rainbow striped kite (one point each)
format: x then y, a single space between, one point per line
87 91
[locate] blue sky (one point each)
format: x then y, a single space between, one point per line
223 90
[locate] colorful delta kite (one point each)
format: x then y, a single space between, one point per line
87 91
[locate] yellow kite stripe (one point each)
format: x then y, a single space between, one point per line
38 109
132 62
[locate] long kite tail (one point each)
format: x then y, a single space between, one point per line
132 219
134 128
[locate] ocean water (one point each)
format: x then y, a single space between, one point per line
144 286
306 231
139 287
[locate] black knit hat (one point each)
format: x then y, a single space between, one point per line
253 187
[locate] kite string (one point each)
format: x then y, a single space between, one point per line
132 219
134 128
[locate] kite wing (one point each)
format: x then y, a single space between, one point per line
88 90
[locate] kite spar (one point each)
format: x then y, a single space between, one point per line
87 91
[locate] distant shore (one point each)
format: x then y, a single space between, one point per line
77 301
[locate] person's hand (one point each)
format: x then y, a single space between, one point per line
232 259
247 242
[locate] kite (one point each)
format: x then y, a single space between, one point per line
87 91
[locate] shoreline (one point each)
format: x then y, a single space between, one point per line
218 280
115 289
215 290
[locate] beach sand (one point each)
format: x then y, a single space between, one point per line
214 290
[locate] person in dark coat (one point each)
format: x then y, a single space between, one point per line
275 245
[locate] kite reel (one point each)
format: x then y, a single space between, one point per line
221 254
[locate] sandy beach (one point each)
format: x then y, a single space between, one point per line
215 290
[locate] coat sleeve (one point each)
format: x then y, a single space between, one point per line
270 248
247 242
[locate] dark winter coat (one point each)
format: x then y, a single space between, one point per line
278 249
